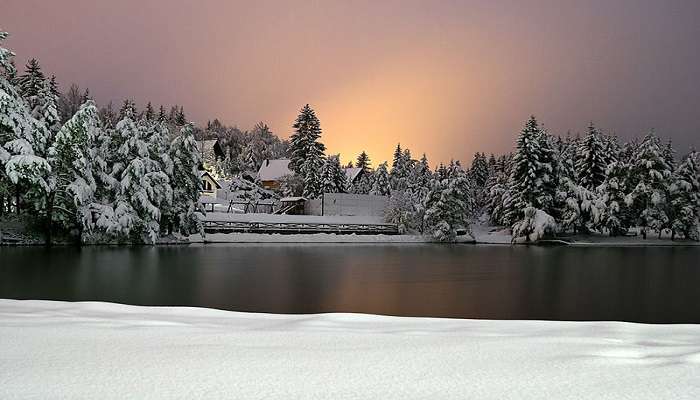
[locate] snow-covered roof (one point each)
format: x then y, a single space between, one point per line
272 170
352 173
293 198
202 174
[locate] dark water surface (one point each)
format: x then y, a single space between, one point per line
653 284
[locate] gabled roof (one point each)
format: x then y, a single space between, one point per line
352 173
272 170
205 173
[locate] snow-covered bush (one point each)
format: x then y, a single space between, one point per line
535 225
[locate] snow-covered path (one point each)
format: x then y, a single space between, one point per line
108 351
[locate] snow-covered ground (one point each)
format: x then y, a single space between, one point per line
109 351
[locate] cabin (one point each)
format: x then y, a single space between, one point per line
353 174
271 171
209 185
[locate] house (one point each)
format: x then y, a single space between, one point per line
271 171
209 185
210 151
353 174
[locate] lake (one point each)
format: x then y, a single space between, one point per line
651 284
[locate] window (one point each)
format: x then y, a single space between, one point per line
206 185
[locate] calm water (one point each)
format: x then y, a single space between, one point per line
659 285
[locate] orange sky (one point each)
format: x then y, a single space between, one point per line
443 77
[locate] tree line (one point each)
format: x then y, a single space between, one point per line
80 174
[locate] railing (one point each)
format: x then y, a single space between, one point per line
298 227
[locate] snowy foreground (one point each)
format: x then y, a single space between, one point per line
101 350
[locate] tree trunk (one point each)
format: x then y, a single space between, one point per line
17 199
644 233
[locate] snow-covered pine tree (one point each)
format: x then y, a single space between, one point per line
333 176
583 209
617 217
143 187
363 162
149 113
307 132
567 158
19 165
669 155
650 181
307 151
73 157
447 207
533 179
496 188
185 182
381 185
31 82
685 194
591 160
479 170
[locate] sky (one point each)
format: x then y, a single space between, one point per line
447 78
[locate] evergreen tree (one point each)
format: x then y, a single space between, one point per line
70 102
447 207
20 167
685 194
31 83
73 158
479 170
185 181
617 217
381 185
590 160
532 181
162 117
180 119
333 176
649 181
149 114
669 155
307 151
363 162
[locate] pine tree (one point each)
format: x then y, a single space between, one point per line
590 160
162 117
180 119
617 217
533 176
363 162
185 181
649 181
31 83
20 167
307 151
479 170
73 158
333 176
447 207
685 194
381 185
149 114
669 155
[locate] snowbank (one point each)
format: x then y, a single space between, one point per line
110 351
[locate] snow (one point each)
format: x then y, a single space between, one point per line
272 170
106 351
261 217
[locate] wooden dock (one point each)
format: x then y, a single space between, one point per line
298 227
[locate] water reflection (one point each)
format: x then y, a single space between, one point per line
498 282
